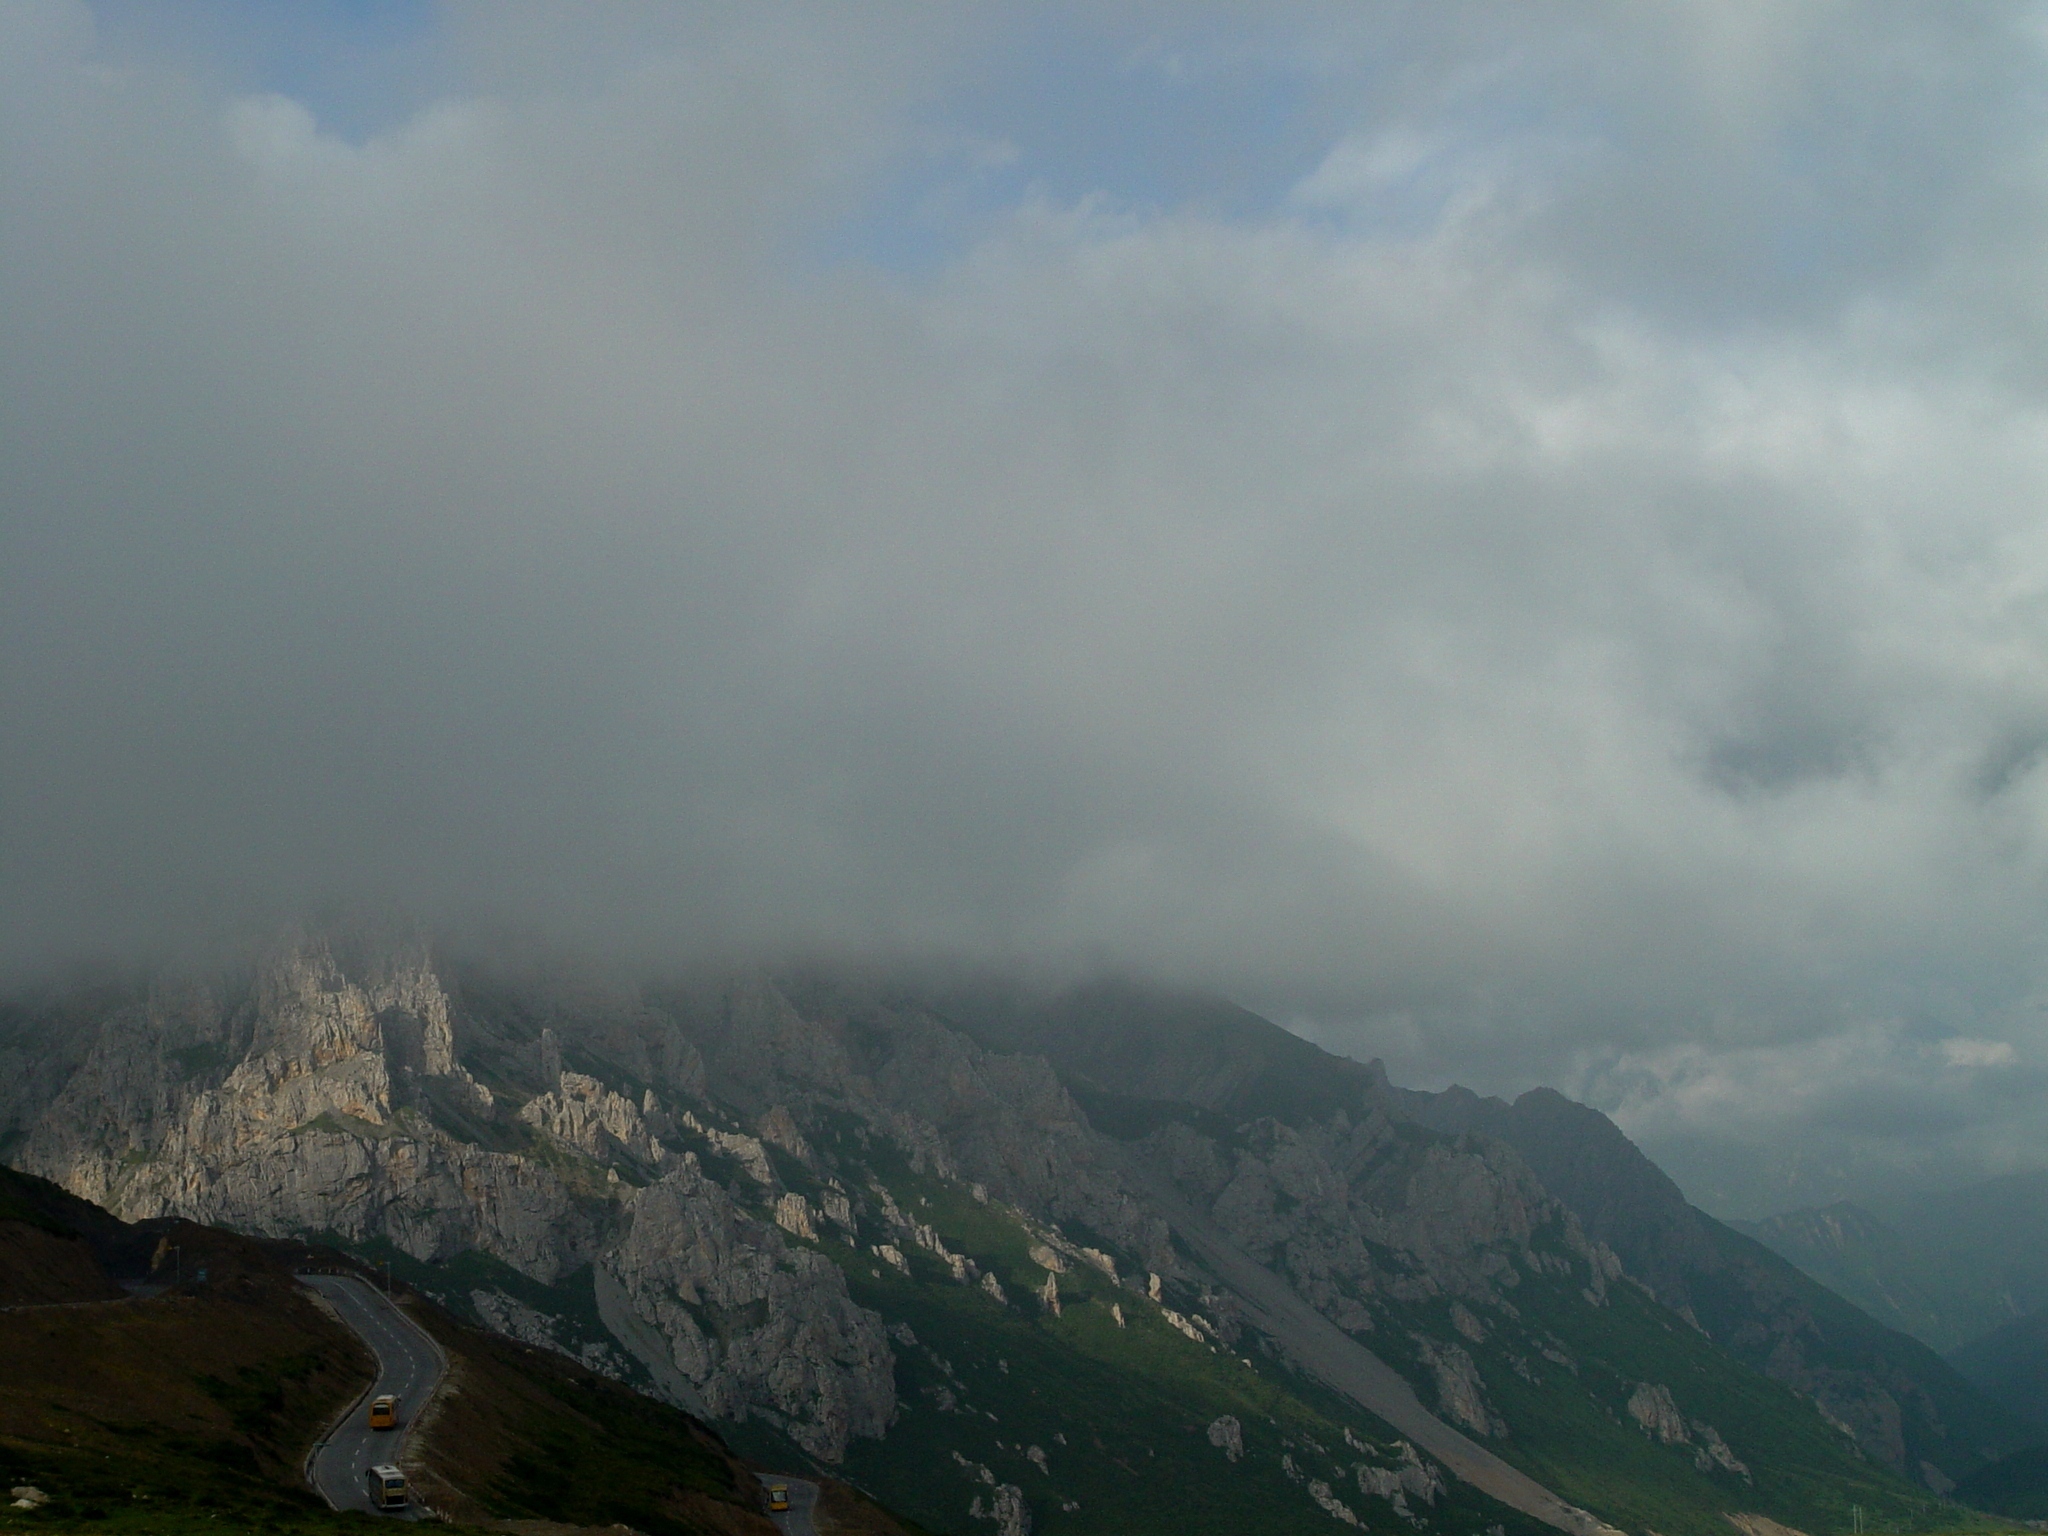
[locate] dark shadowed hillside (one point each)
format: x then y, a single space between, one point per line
1946 1267
165 1407
2010 1366
1905 1404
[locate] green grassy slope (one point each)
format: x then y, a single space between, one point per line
1123 1049
1569 1424
1121 1413
985 1382
2015 1486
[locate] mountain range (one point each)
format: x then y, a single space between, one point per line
1102 1257
1965 1271
1948 1267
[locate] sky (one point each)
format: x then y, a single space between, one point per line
1512 538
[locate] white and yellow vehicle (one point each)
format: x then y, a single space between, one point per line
387 1488
778 1497
384 1412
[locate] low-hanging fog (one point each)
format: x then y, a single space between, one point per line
1509 537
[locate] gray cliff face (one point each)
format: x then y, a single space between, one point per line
1356 1211
759 1327
319 1122
558 1124
315 1101
679 1143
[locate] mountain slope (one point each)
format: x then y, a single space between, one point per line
1905 1405
1003 1255
1120 1040
2015 1486
1965 1270
1946 1269
2010 1366
1896 1279
1115 1044
176 1407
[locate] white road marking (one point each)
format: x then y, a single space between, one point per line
409 1367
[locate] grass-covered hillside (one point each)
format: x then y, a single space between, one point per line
1099 1425
1121 1413
1569 1382
1121 1050
173 1408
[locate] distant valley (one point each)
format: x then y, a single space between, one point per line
1965 1271
1947 1268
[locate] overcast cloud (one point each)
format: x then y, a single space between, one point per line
1514 538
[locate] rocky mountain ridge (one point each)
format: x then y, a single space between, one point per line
738 1193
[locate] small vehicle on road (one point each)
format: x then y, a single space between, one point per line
384 1412
387 1488
778 1497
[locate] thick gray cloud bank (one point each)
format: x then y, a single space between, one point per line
1537 567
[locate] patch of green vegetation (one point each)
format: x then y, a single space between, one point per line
606 1458
344 1125
986 1233
583 1175
256 1399
1121 1416
162 1485
1120 1413
1570 1428
453 1113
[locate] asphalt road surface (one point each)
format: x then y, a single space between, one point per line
409 1367
803 1497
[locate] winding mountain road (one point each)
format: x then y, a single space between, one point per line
409 1367
803 1498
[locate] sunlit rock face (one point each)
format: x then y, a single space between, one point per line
305 1101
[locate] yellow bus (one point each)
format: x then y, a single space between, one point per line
387 1488
384 1412
778 1497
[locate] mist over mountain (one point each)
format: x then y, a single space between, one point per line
1507 539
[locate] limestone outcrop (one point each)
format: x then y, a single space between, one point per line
758 1327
